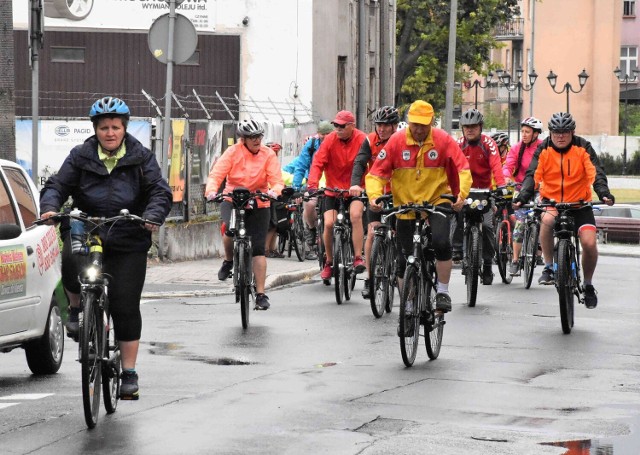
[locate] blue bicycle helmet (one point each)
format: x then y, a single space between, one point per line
109 106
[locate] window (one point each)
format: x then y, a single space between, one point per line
24 197
7 215
67 54
629 8
628 60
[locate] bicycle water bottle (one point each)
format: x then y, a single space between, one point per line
77 233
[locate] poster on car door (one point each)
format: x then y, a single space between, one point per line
13 271
113 14
56 138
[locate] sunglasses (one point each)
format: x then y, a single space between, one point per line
340 127
560 132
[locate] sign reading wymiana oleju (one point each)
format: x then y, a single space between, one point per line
13 271
115 14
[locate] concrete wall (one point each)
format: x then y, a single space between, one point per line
187 241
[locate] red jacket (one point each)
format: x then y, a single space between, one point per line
335 157
484 160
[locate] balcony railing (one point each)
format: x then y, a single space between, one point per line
510 30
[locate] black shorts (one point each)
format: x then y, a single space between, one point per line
256 222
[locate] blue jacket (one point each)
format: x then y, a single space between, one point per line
135 184
303 163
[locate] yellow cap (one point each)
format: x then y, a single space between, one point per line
420 112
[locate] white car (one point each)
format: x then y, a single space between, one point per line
29 274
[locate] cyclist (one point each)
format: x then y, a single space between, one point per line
111 171
335 157
386 121
565 166
271 245
484 161
502 141
254 166
514 170
301 172
422 163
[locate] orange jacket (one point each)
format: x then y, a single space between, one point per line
241 168
567 176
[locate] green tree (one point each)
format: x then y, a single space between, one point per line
423 42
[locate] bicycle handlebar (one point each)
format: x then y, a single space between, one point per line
97 221
561 205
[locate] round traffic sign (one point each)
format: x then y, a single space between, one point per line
185 38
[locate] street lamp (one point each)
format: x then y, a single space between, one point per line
626 79
477 84
505 78
553 78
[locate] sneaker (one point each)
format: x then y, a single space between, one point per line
73 323
226 271
514 268
547 276
262 302
443 302
456 256
487 275
365 290
590 297
327 271
311 255
358 265
129 386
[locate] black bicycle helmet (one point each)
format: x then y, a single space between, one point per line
472 117
249 128
109 105
533 123
501 139
386 114
562 121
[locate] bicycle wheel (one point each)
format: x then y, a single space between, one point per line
472 265
434 327
409 322
565 284
338 268
111 368
297 236
244 282
321 247
91 351
379 277
282 241
504 251
530 248
349 272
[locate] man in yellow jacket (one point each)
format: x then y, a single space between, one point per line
422 163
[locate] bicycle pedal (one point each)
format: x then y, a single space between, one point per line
133 397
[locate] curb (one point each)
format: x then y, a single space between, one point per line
272 281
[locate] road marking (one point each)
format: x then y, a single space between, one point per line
7 405
26 396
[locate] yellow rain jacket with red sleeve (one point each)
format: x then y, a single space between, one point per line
256 172
419 172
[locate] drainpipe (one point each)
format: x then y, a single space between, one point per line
362 65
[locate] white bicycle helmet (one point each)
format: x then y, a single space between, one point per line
533 123
248 128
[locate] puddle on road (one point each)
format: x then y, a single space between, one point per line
175 349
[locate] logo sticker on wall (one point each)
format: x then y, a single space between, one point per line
62 130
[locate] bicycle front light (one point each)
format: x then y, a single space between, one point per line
242 232
92 273
340 216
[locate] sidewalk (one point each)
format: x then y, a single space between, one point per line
199 278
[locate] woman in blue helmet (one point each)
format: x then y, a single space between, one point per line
111 171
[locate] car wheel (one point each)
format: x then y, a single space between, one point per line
44 355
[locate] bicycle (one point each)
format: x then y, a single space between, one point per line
384 262
502 223
566 259
292 237
530 243
417 299
477 204
99 351
243 279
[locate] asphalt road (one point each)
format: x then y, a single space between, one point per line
309 376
